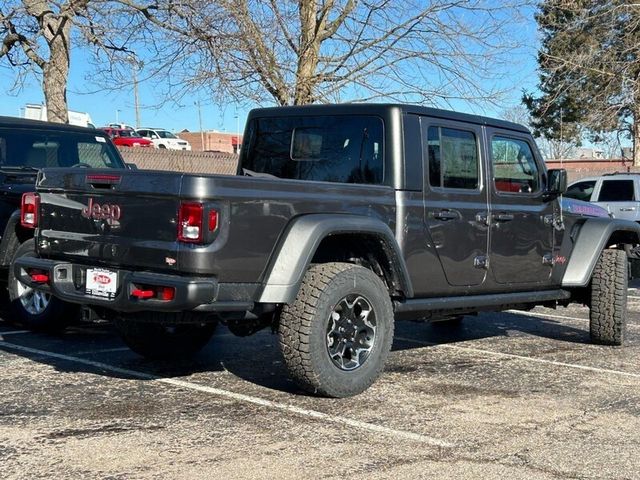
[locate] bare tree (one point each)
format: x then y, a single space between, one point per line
36 36
550 148
294 52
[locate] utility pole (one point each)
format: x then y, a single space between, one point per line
237 132
200 120
135 94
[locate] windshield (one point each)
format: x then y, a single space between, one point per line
125 133
165 134
47 148
346 148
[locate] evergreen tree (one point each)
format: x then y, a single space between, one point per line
589 70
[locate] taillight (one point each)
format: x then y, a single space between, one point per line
29 210
191 222
213 220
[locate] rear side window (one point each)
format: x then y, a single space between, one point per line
46 149
616 191
514 167
453 158
581 190
345 149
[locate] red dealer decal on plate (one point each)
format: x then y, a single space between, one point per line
101 279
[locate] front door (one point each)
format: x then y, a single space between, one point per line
455 199
521 245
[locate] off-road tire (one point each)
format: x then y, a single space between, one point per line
303 329
608 312
54 318
161 335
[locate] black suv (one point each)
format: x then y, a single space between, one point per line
26 146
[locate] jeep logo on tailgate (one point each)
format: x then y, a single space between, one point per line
108 211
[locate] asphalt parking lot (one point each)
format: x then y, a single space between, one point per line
509 395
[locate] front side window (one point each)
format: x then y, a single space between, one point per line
514 166
165 134
453 158
45 149
345 149
616 191
581 190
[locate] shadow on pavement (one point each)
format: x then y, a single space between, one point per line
256 359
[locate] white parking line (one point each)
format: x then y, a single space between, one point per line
371 427
102 350
14 332
520 357
545 315
561 317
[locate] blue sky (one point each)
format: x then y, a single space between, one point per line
105 106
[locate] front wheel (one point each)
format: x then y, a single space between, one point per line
157 335
336 336
608 309
37 310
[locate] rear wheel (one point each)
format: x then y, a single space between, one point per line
35 309
158 335
336 336
608 312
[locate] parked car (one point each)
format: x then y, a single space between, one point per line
25 147
341 218
123 137
617 193
163 139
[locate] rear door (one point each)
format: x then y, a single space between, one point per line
619 197
455 199
522 219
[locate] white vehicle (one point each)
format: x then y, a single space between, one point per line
39 112
618 193
162 138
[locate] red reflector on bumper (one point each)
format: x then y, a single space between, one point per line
143 293
166 293
40 277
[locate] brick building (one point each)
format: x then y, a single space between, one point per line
213 141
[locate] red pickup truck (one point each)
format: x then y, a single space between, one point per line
126 138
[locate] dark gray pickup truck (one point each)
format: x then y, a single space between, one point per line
341 219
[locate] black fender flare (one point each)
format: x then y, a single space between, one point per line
10 241
300 242
595 235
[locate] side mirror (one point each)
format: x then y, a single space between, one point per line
557 182
154 136
131 166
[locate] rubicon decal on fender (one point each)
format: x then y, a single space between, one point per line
101 212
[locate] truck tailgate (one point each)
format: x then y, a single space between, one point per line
124 217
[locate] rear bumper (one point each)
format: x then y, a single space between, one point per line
67 282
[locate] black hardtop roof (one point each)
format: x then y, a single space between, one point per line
15 122
380 108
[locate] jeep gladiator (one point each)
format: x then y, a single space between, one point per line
341 218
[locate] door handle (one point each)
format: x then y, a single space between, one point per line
503 217
627 209
445 215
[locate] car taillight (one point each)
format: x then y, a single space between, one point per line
190 222
29 210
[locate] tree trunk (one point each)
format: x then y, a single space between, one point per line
56 70
308 54
636 140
